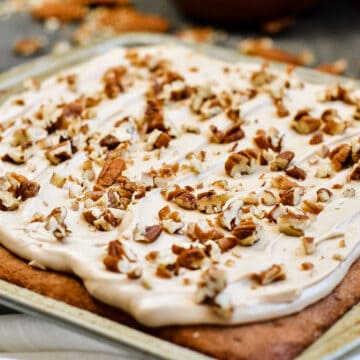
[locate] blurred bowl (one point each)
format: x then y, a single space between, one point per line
233 12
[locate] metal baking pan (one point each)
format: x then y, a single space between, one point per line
340 339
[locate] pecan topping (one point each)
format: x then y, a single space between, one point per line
115 252
304 123
111 170
212 282
317 138
281 109
323 195
312 207
308 244
112 79
19 154
227 243
340 157
109 141
247 232
333 124
202 231
191 259
55 222
153 117
293 224
240 163
230 135
15 188
157 139
282 161
149 234
355 172
182 197
274 273
231 214
292 196
283 183
104 220
59 153
277 211
211 203
268 198
296 173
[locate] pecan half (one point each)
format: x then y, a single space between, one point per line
340 157
333 124
311 207
111 170
191 259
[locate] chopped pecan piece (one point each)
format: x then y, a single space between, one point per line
274 273
308 244
57 180
324 171
282 161
312 207
241 163
355 172
293 224
109 141
296 173
115 252
55 222
281 109
277 211
15 188
165 271
261 140
340 157
268 198
212 282
234 133
19 154
304 123
186 200
59 153
283 183
292 196
111 170
227 243
317 138
104 220
231 214
149 234
157 139
333 124
247 232
211 203
323 195
191 258
202 231
349 192
153 117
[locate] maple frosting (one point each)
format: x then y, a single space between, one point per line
182 189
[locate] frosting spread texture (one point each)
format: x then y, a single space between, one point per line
182 189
